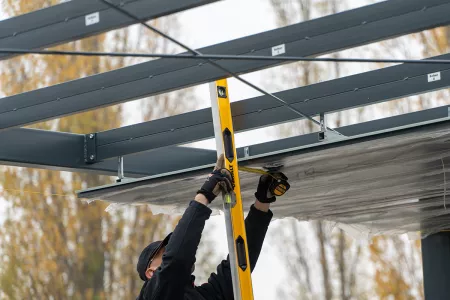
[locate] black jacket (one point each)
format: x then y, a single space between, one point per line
173 279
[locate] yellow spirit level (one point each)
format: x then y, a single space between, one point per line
234 212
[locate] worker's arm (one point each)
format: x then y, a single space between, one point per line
256 225
169 280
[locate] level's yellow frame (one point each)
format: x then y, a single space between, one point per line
237 212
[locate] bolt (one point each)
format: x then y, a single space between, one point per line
172 130
15 33
355 89
58 99
91 136
15 109
406 78
150 76
306 100
92 156
307 38
246 151
200 64
259 110
253 50
363 22
66 19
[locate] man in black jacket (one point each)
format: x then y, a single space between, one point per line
166 266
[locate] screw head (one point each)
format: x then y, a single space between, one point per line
91 136
92 156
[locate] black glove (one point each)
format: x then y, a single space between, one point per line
219 180
264 192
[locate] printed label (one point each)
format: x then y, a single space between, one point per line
434 76
92 18
277 50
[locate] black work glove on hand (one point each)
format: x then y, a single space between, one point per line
263 193
219 180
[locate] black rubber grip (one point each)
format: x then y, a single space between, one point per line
228 145
240 249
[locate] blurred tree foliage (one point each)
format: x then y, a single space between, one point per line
325 264
52 245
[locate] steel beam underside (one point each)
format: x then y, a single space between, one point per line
324 35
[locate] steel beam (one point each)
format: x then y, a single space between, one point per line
336 32
436 264
330 96
433 119
64 152
67 21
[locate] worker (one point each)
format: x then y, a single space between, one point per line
166 266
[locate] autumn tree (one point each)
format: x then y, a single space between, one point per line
395 259
295 75
52 245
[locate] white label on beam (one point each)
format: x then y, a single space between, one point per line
277 50
92 18
434 76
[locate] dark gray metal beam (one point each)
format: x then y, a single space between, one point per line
64 151
436 264
67 21
390 125
336 32
330 96
432 119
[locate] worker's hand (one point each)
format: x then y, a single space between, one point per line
219 180
267 183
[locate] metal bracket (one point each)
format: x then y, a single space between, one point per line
90 148
246 151
120 169
327 135
323 128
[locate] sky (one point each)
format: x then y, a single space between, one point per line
211 24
